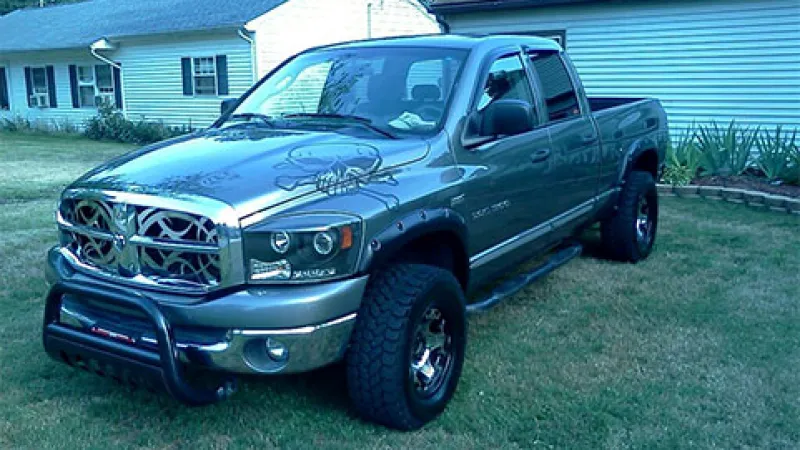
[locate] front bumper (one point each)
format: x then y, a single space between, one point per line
140 333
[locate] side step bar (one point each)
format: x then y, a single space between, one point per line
514 285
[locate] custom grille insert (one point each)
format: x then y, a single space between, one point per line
132 241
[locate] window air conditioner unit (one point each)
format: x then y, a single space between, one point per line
39 101
104 99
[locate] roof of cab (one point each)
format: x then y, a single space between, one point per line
453 41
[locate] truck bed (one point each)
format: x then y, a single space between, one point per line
601 103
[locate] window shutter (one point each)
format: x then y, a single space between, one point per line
222 75
73 86
29 86
51 86
186 69
117 74
4 104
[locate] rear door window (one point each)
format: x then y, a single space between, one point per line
558 91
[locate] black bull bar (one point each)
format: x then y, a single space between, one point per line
163 369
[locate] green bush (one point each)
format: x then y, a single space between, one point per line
19 124
793 170
110 124
683 159
726 151
775 154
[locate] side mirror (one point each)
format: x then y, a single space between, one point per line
507 118
227 105
499 118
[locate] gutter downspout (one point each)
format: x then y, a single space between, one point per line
104 44
444 26
243 33
369 20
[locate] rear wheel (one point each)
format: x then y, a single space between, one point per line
407 349
630 233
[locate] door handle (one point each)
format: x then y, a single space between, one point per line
540 155
588 139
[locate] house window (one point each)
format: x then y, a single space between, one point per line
95 85
4 100
205 76
560 36
40 94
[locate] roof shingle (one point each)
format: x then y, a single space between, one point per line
79 24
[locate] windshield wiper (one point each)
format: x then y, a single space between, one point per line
367 122
249 116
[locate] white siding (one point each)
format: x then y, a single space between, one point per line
152 81
60 60
301 24
705 60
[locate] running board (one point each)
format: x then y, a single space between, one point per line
514 285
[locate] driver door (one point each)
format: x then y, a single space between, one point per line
499 197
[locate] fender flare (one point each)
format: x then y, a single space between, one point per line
636 149
392 239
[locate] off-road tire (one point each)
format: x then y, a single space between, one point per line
380 354
619 232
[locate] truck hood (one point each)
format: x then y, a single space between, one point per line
253 168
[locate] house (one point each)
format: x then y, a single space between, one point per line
170 60
705 59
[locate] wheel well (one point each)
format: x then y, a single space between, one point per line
647 161
441 249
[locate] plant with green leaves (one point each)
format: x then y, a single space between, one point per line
726 151
683 159
774 153
793 171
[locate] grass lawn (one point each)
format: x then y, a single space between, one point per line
698 346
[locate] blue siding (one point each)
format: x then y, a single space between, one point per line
151 73
64 114
705 60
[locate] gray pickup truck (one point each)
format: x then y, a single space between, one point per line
345 208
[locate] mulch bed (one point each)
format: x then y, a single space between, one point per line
750 183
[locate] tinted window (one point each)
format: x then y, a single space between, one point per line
3 89
559 94
507 80
403 90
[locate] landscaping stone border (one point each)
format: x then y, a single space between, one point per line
754 199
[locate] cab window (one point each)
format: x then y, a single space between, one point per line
559 93
507 80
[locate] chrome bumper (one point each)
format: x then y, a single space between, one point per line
230 332
239 350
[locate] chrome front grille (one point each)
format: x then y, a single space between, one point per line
144 244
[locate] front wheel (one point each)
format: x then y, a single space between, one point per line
630 233
408 346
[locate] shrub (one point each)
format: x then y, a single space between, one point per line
793 170
683 159
19 124
725 151
775 154
110 124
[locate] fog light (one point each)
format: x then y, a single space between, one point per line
276 350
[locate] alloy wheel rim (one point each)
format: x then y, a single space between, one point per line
644 223
431 353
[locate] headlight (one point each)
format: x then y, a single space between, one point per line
302 248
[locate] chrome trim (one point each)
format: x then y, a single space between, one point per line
186 246
309 347
530 235
169 285
295 331
224 217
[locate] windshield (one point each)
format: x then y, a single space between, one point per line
391 91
